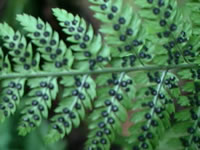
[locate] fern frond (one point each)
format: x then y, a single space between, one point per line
81 90
24 61
144 61
56 55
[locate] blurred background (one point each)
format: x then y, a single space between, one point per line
9 139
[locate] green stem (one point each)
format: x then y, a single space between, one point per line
106 70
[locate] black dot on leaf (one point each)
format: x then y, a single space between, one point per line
41 108
123 84
128 47
75 92
122 20
154 123
74 22
45 97
5 99
173 27
43 41
86 38
12 84
122 37
71 29
99 133
116 27
107 102
112 92
159 35
77 106
78 83
150 1
103 141
81 96
77 37
141 138
36 117
119 97
110 16
87 54
6 37
104 113
114 9
80 29
166 34
103 6
92 62
58 64
9 92
163 23
31 124
67 23
66 124
101 125
11 45
111 120
83 45
21 46
136 43
167 14
36 34
46 34
136 148
30 111
2 107
19 86
26 54
53 42
26 66
145 145
86 85
156 11
115 108
72 115
129 31
34 62
147 116
39 26
95 142
191 130
22 59
15 37
144 128
107 131
149 135
161 3
34 102
66 110
17 52
100 58
10 105
5 113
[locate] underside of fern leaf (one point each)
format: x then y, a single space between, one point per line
142 67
